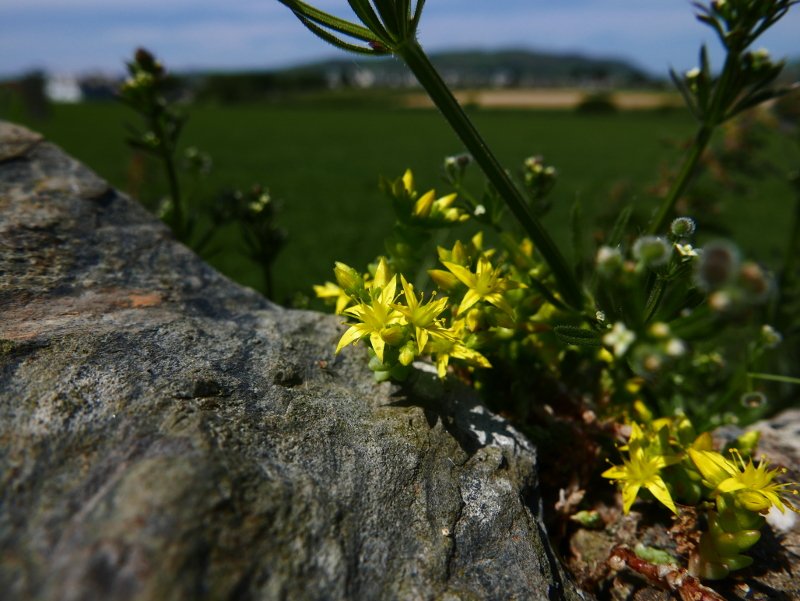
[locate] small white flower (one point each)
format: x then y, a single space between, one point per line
770 336
619 338
676 347
480 210
686 250
692 73
600 315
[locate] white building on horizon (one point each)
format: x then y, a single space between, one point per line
63 89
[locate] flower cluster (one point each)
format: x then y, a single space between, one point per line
665 458
398 332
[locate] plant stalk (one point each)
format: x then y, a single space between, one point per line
419 63
172 177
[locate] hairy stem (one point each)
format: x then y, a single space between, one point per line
423 69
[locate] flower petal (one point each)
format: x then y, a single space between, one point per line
470 298
629 492
656 486
501 303
462 273
377 344
422 339
354 334
714 467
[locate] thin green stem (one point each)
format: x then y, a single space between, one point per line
784 379
679 186
426 73
167 152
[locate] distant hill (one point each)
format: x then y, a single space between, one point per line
791 73
467 69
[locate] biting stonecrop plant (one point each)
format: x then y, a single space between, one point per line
667 459
651 323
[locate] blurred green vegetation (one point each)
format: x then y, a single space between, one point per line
324 163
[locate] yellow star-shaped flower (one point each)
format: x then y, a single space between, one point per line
485 284
377 317
452 348
423 316
331 292
642 469
750 485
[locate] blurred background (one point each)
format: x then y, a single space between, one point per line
584 83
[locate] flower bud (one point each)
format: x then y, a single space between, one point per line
659 330
720 301
497 318
752 400
455 165
675 347
755 282
444 279
717 266
608 260
408 181
459 254
408 353
423 206
651 250
770 337
753 501
475 319
348 278
683 227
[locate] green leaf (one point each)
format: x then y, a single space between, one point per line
332 39
753 100
387 11
330 21
418 14
577 336
704 81
618 231
363 9
688 97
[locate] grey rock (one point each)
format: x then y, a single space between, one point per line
168 434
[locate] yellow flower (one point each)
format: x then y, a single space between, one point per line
331 292
447 348
485 284
378 317
423 317
642 469
750 485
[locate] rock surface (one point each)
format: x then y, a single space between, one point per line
168 434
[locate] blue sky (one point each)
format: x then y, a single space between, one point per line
84 36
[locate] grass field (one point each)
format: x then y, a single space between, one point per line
324 164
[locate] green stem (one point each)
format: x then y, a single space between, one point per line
784 379
698 146
419 63
172 176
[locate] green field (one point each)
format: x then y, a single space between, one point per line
324 164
